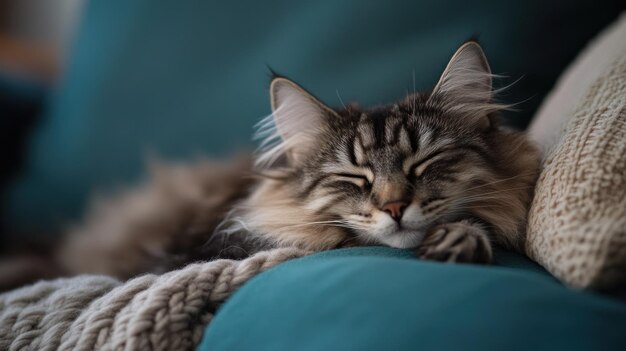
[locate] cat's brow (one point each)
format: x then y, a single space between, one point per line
415 161
425 138
358 151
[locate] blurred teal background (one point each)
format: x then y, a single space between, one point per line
178 79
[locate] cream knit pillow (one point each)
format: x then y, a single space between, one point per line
577 221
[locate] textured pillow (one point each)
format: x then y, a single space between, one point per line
577 222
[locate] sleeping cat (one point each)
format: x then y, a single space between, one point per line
433 172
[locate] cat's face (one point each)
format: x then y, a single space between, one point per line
389 173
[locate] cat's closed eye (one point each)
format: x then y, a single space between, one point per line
358 179
417 169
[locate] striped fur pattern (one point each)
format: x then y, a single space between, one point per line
433 171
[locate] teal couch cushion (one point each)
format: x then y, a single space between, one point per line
384 299
182 78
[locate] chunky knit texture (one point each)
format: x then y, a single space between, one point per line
577 222
150 312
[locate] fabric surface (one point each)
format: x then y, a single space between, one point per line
383 299
177 79
151 312
577 221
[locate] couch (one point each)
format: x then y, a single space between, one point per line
181 79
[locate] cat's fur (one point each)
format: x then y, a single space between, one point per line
434 172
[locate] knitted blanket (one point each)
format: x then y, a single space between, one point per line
150 312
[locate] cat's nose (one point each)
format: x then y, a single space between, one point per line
395 209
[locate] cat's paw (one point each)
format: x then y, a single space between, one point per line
456 242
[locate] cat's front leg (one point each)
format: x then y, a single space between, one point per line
463 241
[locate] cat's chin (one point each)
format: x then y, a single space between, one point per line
404 238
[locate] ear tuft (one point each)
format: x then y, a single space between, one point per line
295 110
298 118
467 75
465 84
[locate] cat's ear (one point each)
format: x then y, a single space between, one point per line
299 116
465 84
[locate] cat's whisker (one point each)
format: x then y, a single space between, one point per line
356 224
340 100
499 181
504 190
228 248
312 224
477 207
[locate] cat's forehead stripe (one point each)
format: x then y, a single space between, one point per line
392 130
358 151
379 127
376 130
405 132
404 140
365 132
350 149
